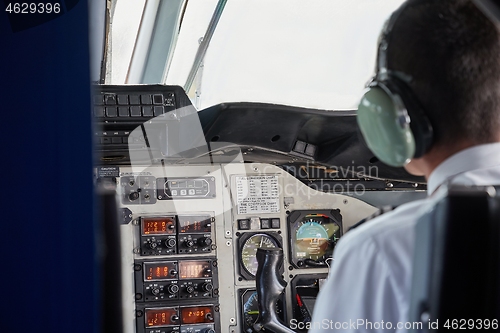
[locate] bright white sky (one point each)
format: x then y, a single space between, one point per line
317 53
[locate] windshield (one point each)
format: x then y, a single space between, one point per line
316 54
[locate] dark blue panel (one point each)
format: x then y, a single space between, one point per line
47 243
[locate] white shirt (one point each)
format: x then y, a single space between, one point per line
369 283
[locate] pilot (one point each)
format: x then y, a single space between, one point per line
434 107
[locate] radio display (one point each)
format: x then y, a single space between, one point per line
161 317
196 315
158 271
195 269
158 225
188 224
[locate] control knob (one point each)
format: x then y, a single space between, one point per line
207 286
155 291
133 196
170 242
172 289
189 289
152 245
205 241
174 318
189 243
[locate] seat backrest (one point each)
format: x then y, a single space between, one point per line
456 268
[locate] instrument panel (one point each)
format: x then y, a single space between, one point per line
188 258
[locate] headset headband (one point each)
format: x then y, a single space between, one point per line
382 67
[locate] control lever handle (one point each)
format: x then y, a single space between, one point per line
270 285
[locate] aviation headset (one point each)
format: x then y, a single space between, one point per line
391 120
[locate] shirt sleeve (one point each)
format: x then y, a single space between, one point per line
358 295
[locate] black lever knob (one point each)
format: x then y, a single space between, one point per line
270 285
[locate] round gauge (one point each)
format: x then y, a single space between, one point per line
315 237
250 309
249 251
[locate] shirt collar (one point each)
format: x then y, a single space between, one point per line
477 157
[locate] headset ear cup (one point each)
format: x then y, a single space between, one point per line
388 138
420 124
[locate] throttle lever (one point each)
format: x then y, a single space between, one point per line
270 285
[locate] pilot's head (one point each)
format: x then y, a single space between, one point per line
437 88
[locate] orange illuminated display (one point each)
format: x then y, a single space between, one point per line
161 317
158 225
197 315
159 271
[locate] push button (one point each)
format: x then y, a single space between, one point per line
146 99
134 100
157 99
105 140
122 99
310 149
111 112
123 111
244 224
275 223
135 111
265 224
158 110
147 111
110 99
116 140
299 147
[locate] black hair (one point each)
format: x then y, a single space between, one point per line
452 52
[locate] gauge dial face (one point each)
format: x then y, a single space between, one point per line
250 310
249 251
315 237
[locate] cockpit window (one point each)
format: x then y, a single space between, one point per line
316 54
